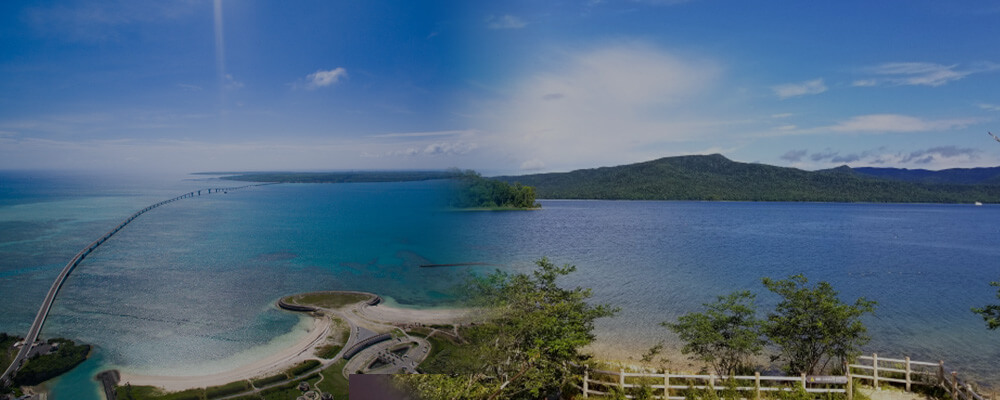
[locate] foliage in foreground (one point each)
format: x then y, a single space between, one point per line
528 345
726 335
811 326
990 312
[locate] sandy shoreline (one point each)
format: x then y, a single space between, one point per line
270 365
301 350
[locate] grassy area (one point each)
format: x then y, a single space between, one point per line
334 381
227 389
129 392
327 299
328 351
261 382
303 367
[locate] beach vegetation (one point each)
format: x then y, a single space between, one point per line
530 345
130 392
227 389
328 351
811 326
476 192
726 335
261 382
990 312
303 367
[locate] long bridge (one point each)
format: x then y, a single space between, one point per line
43 312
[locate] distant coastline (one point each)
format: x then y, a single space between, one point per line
716 178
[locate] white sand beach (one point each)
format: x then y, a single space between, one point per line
301 350
270 365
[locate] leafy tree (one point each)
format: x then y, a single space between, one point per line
528 346
726 335
811 326
990 312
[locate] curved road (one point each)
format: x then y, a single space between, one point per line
43 311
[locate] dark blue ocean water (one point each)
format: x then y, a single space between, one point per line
190 286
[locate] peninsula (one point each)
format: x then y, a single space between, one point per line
715 177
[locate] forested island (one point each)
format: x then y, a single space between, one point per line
714 177
476 192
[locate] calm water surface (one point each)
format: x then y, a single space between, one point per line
190 286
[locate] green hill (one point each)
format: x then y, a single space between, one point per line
714 177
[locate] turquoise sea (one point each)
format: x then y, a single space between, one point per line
190 286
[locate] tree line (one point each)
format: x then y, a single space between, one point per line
475 191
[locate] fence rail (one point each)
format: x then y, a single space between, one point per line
909 373
670 386
877 370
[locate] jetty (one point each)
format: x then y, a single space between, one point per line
43 312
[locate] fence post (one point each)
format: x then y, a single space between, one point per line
875 370
756 385
803 380
586 385
954 384
941 373
666 385
908 379
621 378
850 380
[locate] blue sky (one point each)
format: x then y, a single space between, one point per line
502 87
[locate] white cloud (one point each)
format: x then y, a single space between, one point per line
505 22
881 123
920 73
232 84
989 107
532 165
621 102
782 115
323 78
785 91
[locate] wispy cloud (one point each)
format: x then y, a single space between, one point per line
794 155
323 78
938 157
232 84
437 149
189 87
422 134
883 123
506 21
96 21
989 107
815 86
920 73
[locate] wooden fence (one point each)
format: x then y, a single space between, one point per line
879 371
906 372
672 386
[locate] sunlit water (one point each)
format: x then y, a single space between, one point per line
189 287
